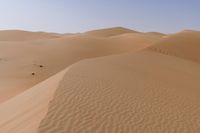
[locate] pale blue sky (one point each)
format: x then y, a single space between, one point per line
82 15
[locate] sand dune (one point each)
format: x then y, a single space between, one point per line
156 33
131 88
18 35
110 32
24 64
143 92
147 91
185 44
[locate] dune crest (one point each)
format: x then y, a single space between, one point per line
110 32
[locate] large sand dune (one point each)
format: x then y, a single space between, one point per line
26 63
185 44
131 88
146 92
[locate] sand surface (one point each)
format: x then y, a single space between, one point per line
145 92
148 91
18 35
184 44
23 113
26 63
113 81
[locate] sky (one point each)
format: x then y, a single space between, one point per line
73 16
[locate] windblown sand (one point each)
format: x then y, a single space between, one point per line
23 113
131 89
25 63
145 92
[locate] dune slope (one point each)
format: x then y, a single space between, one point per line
23 113
142 92
185 44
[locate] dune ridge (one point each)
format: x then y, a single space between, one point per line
23 113
110 32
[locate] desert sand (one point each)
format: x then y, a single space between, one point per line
25 63
23 113
104 81
19 35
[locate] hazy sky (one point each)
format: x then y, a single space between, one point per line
83 15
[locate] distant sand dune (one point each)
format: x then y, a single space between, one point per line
185 44
21 69
110 32
17 35
156 33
